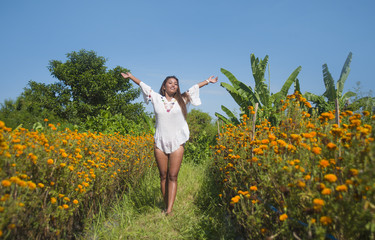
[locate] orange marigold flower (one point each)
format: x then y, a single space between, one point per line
323 163
354 171
342 188
31 185
301 184
41 185
6 183
283 217
331 146
65 206
53 200
317 150
330 177
253 188
318 202
50 161
326 191
75 201
325 220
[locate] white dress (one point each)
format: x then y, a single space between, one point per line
171 128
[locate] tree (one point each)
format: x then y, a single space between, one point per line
245 96
88 87
85 89
326 102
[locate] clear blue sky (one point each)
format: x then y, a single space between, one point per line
192 40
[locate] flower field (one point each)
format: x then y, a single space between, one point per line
53 180
307 178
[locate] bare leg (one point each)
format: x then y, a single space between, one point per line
162 161
175 160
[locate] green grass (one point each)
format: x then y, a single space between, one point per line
137 215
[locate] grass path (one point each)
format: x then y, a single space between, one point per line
138 214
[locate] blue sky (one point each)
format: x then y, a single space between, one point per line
192 40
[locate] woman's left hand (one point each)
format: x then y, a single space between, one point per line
212 79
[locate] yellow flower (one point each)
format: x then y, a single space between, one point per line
65 206
330 177
53 200
324 163
50 161
326 191
342 188
331 146
31 185
6 183
325 220
75 201
253 188
283 217
318 201
66 199
301 184
316 150
41 185
354 171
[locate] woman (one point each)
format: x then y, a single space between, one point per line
171 129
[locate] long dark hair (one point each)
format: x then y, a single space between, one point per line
182 99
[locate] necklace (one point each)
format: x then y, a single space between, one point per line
168 105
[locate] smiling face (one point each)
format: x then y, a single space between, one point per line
171 86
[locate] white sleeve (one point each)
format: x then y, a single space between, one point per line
194 95
147 92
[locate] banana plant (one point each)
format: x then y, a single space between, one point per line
326 102
245 96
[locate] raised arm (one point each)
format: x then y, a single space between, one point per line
129 75
207 81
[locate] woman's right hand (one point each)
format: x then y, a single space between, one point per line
127 75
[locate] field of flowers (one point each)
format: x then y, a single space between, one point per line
307 178
55 179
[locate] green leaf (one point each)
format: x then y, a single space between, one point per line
344 75
329 83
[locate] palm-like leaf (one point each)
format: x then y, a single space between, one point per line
329 83
231 115
344 75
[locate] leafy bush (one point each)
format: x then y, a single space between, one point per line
202 136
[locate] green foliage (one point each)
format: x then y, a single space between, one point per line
326 102
106 122
245 96
84 88
202 135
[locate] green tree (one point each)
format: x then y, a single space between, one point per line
92 88
245 96
326 102
85 89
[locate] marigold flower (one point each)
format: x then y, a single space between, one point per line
331 146
325 220
318 202
283 217
326 191
50 161
330 177
41 185
253 188
65 206
6 183
53 200
354 171
31 185
342 188
301 184
316 150
323 163
75 201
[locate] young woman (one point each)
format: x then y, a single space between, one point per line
172 130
